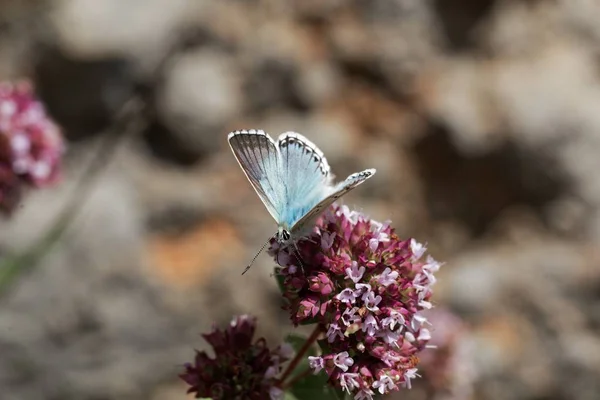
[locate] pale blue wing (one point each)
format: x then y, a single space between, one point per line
306 175
307 221
258 156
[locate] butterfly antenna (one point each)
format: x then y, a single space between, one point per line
256 256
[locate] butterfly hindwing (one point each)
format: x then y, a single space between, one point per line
306 173
307 221
258 156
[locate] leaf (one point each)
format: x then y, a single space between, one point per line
324 345
315 387
311 386
289 396
297 341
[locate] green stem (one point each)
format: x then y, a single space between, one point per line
294 363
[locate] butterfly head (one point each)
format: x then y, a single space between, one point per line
283 235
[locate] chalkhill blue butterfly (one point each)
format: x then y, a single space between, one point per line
292 178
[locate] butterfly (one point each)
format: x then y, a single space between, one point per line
292 178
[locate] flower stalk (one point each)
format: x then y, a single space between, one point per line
310 341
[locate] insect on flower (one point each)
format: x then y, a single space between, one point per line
291 177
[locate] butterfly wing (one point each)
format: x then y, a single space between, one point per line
258 155
306 174
307 221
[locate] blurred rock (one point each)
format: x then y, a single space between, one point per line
461 19
196 118
82 95
142 30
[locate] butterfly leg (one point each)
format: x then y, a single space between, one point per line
298 256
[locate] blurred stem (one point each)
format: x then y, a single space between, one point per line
126 122
300 354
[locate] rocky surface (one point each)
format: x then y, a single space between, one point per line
480 116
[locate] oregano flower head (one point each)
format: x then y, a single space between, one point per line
366 288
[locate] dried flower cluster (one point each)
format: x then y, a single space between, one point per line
31 145
240 369
366 287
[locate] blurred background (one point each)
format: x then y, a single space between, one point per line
481 116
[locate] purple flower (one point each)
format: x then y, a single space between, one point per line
409 374
371 301
334 332
355 273
31 145
349 316
343 361
393 319
347 295
384 384
370 325
316 363
349 381
241 367
388 277
364 394
372 315
417 249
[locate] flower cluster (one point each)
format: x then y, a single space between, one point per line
240 369
366 288
31 144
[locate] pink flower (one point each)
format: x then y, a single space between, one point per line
394 318
388 277
372 315
237 358
384 384
321 284
370 325
31 145
417 249
371 301
355 273
409 374
364 394
349 381
349 316
347 295
334 332
316 363
343 361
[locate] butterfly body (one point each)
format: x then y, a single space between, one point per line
292 178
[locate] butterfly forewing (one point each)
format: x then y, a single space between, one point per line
307 221
258 156
306 174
